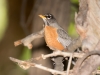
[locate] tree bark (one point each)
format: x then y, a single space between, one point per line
87 25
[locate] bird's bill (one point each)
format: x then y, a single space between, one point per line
43 17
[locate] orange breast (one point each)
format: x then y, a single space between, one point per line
51 38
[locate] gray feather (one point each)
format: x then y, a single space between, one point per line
63 38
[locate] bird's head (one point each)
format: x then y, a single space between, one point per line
48 19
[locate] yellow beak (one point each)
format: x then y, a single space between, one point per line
43 17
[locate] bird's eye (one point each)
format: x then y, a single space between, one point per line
48 16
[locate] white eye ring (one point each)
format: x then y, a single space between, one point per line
49 16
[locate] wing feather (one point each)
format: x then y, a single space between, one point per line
63 38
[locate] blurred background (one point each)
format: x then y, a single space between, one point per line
19 18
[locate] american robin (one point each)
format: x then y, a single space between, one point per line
56 37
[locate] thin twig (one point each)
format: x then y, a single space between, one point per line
64 54
26 64
69 63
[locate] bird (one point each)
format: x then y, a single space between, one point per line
55 36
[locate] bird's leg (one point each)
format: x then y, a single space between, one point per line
58 62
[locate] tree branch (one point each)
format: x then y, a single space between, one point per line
87 24
64 54
27 40
26 64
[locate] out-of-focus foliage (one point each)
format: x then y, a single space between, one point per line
74 1
72 30
74 7
26 54
3 17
